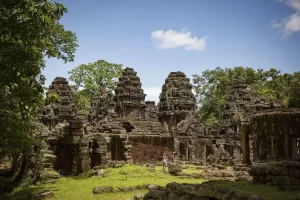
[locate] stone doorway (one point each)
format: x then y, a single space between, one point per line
117 149
95 156
64 161
183 151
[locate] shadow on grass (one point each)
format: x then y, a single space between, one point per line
26 192
267 192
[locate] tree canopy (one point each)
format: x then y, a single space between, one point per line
29 32
93 79
213 85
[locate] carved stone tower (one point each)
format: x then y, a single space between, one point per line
176 99
129 96
61 108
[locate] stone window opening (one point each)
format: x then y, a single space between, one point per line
272 147
128 126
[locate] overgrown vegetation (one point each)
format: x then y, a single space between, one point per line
77 188
93 79
213 85
29 32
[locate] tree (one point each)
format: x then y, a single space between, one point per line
213 85
93 79
294 91
29 32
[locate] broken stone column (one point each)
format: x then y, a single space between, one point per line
245 130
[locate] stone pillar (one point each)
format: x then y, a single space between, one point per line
186 152
245 143
203 152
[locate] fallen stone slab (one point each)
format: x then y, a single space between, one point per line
139 196
103 189
42 195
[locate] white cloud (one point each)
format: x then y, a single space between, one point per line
172 39
152 93
291 23
294 4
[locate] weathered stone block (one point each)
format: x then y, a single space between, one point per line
42 195
50 158
102 189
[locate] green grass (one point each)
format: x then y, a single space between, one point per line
78 188
187 169
192 169
265 191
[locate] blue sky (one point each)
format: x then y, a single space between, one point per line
157 37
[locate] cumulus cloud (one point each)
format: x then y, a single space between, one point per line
291 23
172 39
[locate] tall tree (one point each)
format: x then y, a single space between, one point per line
93 79
29 32
294 91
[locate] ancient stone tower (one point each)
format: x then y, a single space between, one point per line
102 107
176 99
58 109
239 102
129 96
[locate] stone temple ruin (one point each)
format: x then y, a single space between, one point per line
124 128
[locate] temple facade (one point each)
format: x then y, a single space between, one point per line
123 127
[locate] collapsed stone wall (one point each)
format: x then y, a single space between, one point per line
276 134
202 191
102 107
284 175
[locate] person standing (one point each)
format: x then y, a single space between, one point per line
165 162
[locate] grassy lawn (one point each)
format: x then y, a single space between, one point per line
78 188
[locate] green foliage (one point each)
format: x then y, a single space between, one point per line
97 76
82 99
52 97
294 91
29 31
93 79
213 85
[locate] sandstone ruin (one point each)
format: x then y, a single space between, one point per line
124 128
